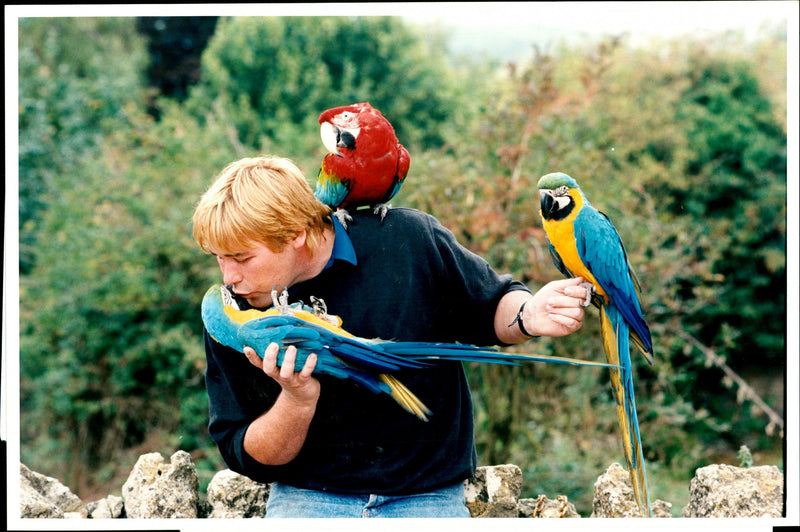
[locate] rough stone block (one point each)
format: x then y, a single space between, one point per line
726 491
155 489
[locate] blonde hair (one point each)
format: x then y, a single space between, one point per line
258 200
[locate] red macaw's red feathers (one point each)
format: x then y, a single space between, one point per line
366 164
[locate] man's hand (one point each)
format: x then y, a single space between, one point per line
299 386
557 308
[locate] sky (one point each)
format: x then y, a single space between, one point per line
644 17
497 28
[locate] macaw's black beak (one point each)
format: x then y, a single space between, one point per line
547 203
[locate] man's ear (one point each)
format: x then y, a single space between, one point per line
300 240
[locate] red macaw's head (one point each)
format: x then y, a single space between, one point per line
364 153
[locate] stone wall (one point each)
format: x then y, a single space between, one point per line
160 489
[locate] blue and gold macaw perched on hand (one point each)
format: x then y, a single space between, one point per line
584 243
340 354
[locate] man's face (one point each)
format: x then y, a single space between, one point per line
255 271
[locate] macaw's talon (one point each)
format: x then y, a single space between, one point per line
343 216
280 302
590 291
381 209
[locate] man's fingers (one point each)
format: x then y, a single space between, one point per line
308 368
287 367
271 359
253 357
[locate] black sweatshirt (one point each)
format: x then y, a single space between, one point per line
412 281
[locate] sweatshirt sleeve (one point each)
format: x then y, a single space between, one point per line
475 288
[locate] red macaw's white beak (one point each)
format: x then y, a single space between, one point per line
334 137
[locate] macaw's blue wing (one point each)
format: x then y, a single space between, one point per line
600 247
337 356
330 189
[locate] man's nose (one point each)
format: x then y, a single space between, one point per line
230 272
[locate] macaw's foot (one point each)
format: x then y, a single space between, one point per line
590 292
343 216
280 302
381 209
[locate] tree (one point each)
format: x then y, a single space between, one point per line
175 45
638 131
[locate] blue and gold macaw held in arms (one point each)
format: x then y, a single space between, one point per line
584 243
366 362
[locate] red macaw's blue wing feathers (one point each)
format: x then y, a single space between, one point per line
367 362
330 189
583 242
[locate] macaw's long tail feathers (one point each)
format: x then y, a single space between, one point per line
617 348
648 355
406 397
423 351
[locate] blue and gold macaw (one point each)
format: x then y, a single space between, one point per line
340 354
584 243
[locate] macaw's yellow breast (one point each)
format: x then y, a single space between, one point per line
243 316
561 234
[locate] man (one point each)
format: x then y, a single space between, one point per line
330 448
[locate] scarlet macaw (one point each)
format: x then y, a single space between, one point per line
366 164
584 243
340 354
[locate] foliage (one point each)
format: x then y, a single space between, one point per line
629 127
69 96
681 147
112 349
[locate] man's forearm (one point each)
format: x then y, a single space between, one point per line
277 436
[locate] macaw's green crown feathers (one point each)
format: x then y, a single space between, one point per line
556 179
559 196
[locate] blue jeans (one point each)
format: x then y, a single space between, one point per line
288 501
